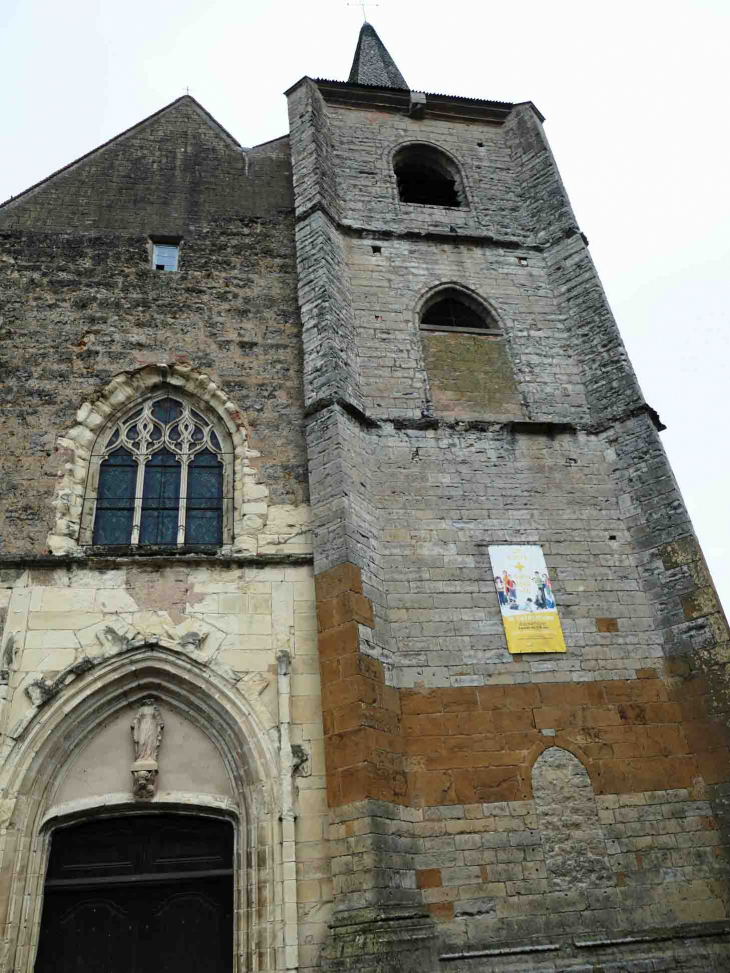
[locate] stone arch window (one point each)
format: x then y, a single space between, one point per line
451 309
161 474
468 370
427 176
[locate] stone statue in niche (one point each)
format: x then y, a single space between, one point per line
147 730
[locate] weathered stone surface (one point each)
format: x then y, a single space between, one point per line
572 839
566 811
81 301
423 450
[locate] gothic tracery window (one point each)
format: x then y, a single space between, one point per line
161 477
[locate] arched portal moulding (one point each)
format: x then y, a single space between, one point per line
36 764
250 498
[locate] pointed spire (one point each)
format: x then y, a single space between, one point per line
372 64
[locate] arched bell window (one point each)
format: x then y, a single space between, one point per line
451 309
428 177
163 476
468 366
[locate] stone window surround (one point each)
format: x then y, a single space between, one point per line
462 186
470 299
432 294
164 240
34 771
71 534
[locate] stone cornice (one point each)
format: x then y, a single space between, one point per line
397 100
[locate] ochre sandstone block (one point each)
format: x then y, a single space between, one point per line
428 878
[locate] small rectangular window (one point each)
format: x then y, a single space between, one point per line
164 256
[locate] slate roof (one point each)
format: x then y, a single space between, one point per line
372 65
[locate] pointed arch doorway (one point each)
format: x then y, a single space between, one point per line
141 893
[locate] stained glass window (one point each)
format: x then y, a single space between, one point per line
160 499
205 488
114 511
161 479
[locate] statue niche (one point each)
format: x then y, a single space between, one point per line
147 728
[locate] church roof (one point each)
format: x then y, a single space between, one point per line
372 64
183 100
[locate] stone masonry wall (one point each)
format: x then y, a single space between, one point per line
428 719
63 622
437 794
388 289
167 173
81 301
81 305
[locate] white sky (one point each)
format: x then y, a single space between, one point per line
633 91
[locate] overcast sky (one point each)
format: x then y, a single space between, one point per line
634 92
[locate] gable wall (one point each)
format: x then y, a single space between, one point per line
162 176
81 302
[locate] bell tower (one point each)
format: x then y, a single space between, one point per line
468 396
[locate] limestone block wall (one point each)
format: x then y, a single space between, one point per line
330 351
427 718
245 634
81 302
484 870
389 287
545 815
364 144
458 491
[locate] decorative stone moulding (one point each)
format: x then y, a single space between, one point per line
183 679
250 506
195 642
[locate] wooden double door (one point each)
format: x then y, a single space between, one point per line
145 893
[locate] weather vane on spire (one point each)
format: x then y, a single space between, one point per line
363 5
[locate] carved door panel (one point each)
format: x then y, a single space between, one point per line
142 894
188 929
89 931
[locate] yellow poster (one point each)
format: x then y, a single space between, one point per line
526 599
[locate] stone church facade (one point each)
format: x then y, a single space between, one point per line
246 512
